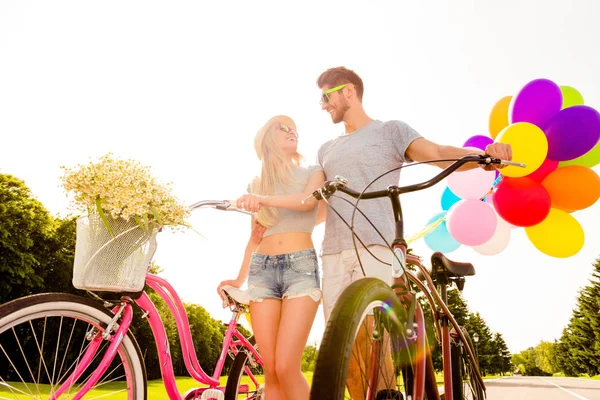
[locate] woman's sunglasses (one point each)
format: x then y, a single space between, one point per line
287 129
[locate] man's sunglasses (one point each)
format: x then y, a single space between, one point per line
287 129
325 95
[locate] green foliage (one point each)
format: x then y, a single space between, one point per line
578 351
309 358
36 255
24 223
494 357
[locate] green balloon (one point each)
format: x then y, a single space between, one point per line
589 159
571 97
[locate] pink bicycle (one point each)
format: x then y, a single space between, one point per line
58 345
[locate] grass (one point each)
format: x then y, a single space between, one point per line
156 388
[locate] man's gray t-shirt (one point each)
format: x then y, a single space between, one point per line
360 157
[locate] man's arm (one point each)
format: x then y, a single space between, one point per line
422 149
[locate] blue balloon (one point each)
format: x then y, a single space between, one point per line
448 198
440 239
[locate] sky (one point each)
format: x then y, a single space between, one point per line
184 86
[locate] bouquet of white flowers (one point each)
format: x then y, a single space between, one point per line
125 207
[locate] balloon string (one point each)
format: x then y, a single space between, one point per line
431 227
426 230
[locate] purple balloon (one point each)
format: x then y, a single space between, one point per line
478 141
572 132
537 103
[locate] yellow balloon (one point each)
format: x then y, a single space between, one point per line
529 145
499 116
559 235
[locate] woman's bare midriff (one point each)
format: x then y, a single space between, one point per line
282 243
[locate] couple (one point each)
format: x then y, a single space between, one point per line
282 266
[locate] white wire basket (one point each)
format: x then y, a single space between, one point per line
112 262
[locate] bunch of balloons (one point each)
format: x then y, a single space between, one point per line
557 137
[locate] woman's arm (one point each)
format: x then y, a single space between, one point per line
253 242
321 212
252 202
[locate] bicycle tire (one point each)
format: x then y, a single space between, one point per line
236 371
464 384
331 369
26 315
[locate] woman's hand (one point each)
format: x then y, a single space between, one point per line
251 202
230 282
257 232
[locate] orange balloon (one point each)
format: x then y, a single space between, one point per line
499 116
573 187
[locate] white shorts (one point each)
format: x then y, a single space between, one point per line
341 269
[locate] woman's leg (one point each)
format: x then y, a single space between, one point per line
297 316
265 317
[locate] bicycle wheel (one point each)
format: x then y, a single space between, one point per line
364 329
465 384
42 341
235 388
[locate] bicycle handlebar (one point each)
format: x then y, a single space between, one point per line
223 205
339 183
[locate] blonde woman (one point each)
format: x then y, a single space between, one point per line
282 269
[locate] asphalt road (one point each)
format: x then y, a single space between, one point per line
538 388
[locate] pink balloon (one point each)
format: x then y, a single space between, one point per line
471 222
498 241
471 184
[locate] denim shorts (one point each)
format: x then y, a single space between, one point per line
284 275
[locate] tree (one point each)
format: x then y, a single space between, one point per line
578 351
485 346
24 225
501 358
309 358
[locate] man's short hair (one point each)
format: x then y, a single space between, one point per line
338 76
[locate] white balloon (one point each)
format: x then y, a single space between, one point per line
499 240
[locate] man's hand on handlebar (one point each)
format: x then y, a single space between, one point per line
502 151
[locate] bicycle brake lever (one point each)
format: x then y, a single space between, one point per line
316 194
410 316
223 207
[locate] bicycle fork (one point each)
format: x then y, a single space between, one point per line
96 337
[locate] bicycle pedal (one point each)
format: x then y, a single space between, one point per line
260 393
212 394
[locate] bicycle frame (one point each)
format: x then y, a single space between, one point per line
423 365
233 342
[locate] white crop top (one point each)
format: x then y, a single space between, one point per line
292 220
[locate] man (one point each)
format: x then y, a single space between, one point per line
368 149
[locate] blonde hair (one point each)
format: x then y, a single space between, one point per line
276 167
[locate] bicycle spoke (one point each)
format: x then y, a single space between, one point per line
76 362
3 383
41 358
98 352
66 350
40 350
56 353
12 390
109 374
16 370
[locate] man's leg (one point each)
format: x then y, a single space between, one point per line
356 373
335 279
